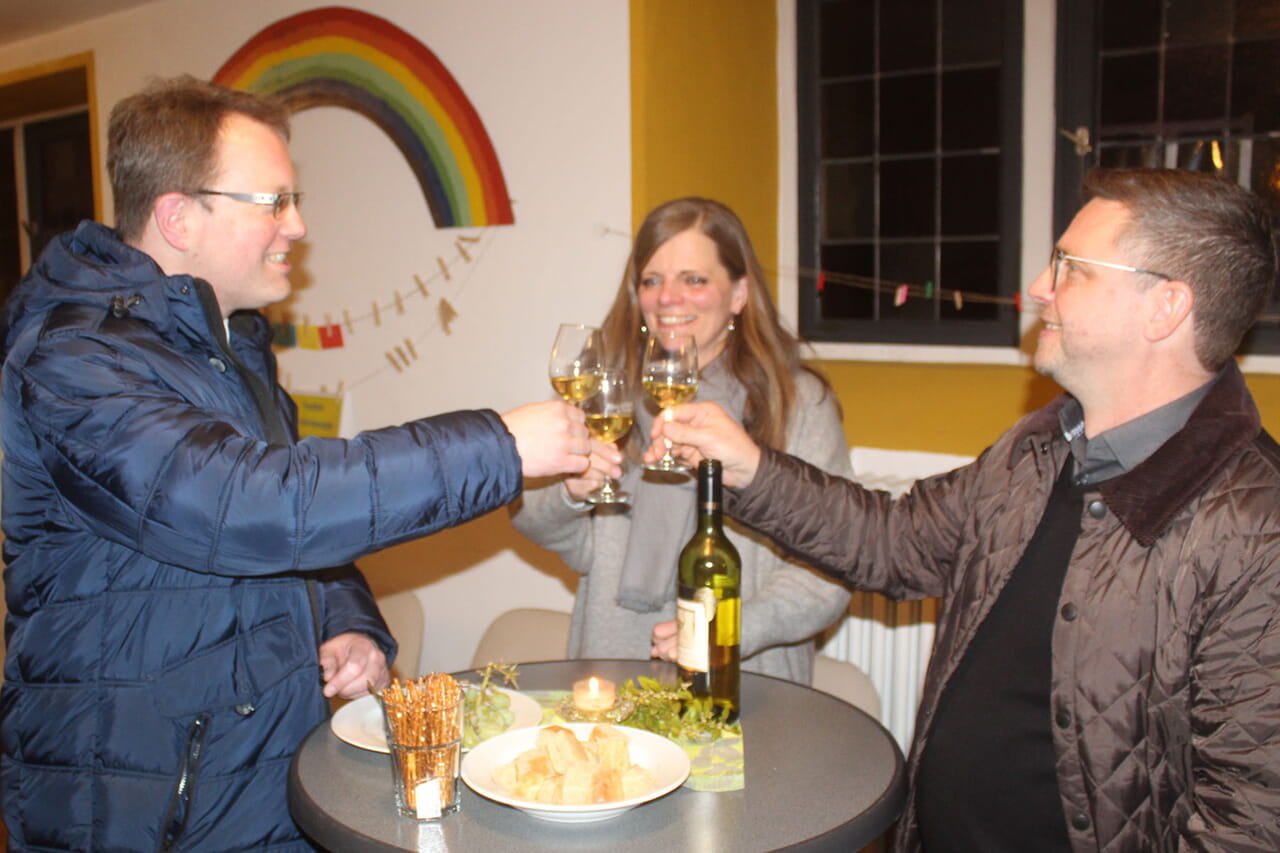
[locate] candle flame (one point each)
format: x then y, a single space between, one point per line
593 686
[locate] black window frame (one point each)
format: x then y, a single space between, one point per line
1078 108
1002 329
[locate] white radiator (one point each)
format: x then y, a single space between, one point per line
891 641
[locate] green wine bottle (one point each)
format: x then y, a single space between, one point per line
709 603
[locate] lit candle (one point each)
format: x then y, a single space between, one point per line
594 694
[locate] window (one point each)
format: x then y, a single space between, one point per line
46 164
909 161
1175 83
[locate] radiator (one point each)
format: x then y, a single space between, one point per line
891 641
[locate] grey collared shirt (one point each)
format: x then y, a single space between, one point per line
1122 448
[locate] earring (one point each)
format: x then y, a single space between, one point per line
644 330
733 322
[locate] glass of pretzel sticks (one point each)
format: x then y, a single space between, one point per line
423 718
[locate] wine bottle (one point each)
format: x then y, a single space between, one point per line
709 603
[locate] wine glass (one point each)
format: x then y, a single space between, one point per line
575 362
670 376
609 416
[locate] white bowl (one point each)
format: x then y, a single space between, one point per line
665 760
359 722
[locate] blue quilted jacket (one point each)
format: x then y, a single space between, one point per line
168 544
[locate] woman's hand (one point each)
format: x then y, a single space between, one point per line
664 641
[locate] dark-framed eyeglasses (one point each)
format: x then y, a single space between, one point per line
1058 256
278 202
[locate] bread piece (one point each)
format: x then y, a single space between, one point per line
636 781
562 746
577 783
551 792
612 748
606 785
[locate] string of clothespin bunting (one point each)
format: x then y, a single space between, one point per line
903 291
332 334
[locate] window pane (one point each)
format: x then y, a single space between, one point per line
1254 90
1130 23
971 268
846 33
1149 156
906 198
848 119
848 201
1264 171
910 264
846 301
1195 89
10 248
971 109
907 34
970 195
1129 94
1256 18
1198 20
1200 155
973 31
907 114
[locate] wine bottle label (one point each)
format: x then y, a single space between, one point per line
693 629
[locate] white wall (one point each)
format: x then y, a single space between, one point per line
550 81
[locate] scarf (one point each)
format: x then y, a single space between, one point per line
663 504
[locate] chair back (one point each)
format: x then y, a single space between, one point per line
524 635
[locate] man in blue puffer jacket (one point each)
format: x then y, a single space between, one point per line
168 537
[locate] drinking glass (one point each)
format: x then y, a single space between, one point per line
609 413
670 376
575 362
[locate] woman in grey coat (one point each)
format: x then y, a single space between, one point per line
692 270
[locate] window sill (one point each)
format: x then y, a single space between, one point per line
923 354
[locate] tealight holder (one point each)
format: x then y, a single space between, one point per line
615 713
595 700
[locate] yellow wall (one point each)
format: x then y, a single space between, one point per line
703 109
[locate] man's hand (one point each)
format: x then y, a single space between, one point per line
703 431
349 663
606 461
550 437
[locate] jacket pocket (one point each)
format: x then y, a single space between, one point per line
175 820
236 671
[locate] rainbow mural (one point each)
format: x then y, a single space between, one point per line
340 57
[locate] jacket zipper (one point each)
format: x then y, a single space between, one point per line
180 806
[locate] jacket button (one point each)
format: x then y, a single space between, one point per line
1097 509
1070 612
245 709
218 364
1062 718
1080 821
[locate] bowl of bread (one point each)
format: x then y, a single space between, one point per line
576 772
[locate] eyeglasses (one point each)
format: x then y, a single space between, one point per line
1058 256
278 202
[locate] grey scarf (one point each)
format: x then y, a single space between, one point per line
662 505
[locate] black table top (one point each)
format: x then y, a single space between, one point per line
820 775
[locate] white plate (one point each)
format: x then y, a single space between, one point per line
359 722
665 760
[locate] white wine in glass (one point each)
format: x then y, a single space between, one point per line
575 362
610 412
669 374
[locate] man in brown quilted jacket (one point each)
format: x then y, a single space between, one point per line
1106 673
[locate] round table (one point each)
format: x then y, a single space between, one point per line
820 775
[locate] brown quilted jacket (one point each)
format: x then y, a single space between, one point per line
1166 650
